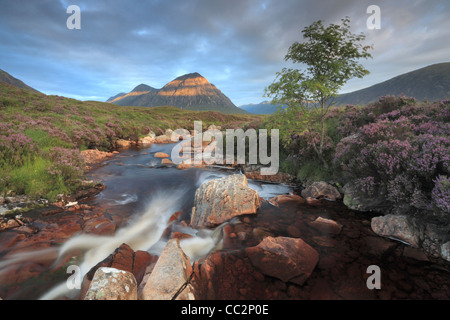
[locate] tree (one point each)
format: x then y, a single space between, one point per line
331 57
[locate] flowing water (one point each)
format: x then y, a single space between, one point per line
141 196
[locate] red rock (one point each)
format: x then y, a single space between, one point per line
326 226
287 259
161 155
286 199
123 258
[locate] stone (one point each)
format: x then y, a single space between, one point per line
445 251
123 258
161 155
170 273
162 139
360 202
326 226
219 200
121 143
112 284
321 190
287 259
397 227
286 199
167 162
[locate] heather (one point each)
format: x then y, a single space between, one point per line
398 152
41 136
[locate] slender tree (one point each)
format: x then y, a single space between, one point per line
330 54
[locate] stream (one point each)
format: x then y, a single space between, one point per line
140 197
137 204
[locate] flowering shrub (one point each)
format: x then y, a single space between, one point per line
441 193
15 148
67 164
399 154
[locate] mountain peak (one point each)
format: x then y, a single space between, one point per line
142 88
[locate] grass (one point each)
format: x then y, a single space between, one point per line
53 122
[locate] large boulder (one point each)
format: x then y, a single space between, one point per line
219 200
398 227
287 259
321 190
112 284
171 272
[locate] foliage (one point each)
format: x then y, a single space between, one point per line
41 136
331 57
397 155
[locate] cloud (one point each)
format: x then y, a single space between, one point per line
237 45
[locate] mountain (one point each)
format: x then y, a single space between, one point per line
264 107
6 77
431 83
189 92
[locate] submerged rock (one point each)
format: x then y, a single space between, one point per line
112 284
219 200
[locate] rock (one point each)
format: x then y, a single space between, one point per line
356 200
121 143
184 166
287 259
397 227
123 258
162 139
171 272
112 284
219 200
91 157
147 140
167 162
286 198
321 190
326 226
445 251
161 155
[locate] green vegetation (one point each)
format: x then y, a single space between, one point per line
331 57
41 136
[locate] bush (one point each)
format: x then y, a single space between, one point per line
399 155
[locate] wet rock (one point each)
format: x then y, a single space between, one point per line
287 259
445 251
286 199
327 226
219 200
123 258
161 155
321 190
171 272
397 227
112 284
167 162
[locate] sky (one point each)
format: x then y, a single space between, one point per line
238 45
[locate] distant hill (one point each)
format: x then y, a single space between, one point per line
188 92
9 79
264 107
431 83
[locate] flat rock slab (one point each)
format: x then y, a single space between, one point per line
219 200
287 259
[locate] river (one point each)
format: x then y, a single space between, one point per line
140 196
